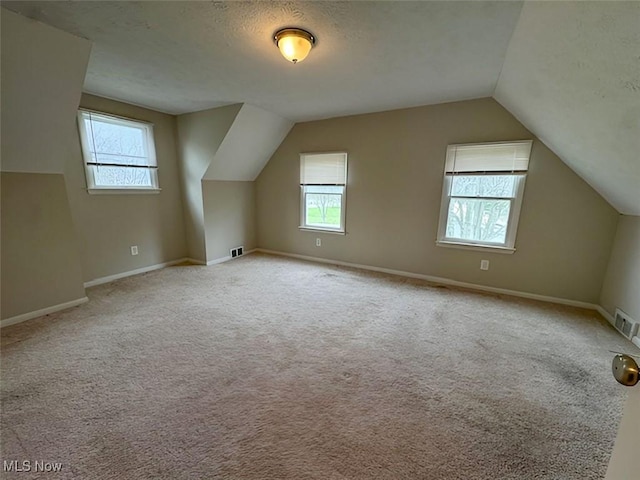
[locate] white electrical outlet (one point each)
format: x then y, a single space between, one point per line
134 250
484 264
318 242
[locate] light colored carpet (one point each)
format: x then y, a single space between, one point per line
271 368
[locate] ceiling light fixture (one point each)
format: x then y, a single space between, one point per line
294 43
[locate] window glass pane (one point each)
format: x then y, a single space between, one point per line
113 143
465 185
478 220
122 177
502 186
323 206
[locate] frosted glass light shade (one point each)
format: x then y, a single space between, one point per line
294 43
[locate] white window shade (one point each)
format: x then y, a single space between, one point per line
323 168
503 157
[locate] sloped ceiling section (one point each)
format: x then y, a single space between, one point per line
248 145
572 76
40 95
183 57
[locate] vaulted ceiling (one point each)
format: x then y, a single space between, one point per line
570 71
572 77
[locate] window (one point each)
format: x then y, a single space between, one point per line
119 154
323 181
482 194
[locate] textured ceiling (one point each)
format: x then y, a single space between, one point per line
569 71
572 76
181 57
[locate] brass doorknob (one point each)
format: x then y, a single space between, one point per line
625 370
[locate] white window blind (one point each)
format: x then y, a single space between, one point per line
504 157
323 168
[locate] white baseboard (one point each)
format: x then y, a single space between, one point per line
43 311
218 260
194 261
635 340
227 258
138 271
440 280
606 315
151 268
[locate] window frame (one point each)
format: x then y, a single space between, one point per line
89 165
341 230
514 211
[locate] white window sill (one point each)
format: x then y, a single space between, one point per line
323 230
121 191
473 246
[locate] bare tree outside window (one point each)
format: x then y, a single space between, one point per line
323 202
118 152
479 207
122 145
323 205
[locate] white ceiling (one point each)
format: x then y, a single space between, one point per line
572 76
569 71
182 57
248 145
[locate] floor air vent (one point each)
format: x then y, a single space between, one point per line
625 325
236 252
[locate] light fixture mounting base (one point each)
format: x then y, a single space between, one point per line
294 31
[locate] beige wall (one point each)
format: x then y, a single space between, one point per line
396 163
42 74
40 265
108 225
622 282
620 289
229 216
199 135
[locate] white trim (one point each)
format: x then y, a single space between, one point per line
122 191
481 248
228 257
137 271
440 280
128 119
219 260
43 311
321 230
608 317
194 261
